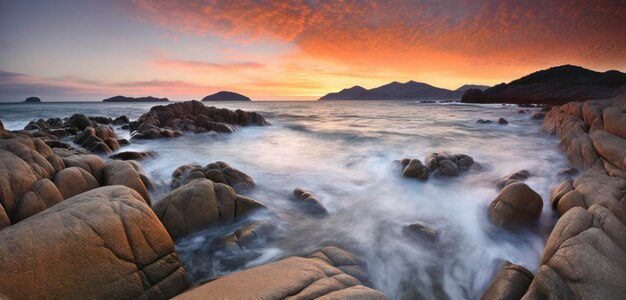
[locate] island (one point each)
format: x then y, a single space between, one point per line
32 100
395 90
226 96
553 86
137 99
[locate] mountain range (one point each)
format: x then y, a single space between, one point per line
400 91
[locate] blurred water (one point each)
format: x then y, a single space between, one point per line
343 151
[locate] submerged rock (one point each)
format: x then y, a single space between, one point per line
516 205
448 164
102 244
330 273
510 283
201 203
420 233
481 121
502 121
171 120
133 155
537 115
309 202
219 172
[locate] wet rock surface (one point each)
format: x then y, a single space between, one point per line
510 283
516 205
309 202
448 164
218 172
414 168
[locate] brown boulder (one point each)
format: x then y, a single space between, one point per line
510 283
199 204
516 205
218 172
414 168
133 155
420 233
42 195
610 147
309 202
317 277
88 162
117 172
518 176
502 121
585 256
73 181
111 244
615 120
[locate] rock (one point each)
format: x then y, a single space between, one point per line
73 181
171 120
414 168
57 144
537 115
569 172
134 155
309 202
102 244
584 257
32 100
420 233
521 111
448 164
502 121
559 191
592 187
510 283
247 235
219 172
88 162
615 120
42 195
518 176
125 173
317 277
610 147
123 119
79 121
23 162
199 204
481 121
516 205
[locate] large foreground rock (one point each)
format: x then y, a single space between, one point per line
585 257
330 273
516 205
171 120
202 203
102 244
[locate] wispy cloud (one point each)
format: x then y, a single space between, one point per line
202 66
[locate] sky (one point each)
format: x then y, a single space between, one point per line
65 50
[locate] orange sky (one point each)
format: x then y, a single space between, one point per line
304 49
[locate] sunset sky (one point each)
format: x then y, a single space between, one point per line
298 50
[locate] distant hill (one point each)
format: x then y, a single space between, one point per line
555 86
226 96
32 100
397 91
133 99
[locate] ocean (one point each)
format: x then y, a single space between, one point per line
343 152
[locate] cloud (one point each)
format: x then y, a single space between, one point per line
201 66
419 36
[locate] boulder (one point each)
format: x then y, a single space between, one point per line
502 121
41 196
516 205
102 138
173 119
23 162
448 164
559 191
199 204
615 120
592 187
610 147
414 168
481 121
117 172
518 176
102 244
309 202
133 155
317 277
510 283
88 162
73 181
537 115
585 256
79 122
218 172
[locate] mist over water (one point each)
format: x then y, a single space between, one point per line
343 152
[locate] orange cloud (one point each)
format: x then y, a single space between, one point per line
467 39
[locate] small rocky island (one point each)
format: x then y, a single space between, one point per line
32 100
133 99
226 96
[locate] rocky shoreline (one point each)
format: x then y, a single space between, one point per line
75 225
